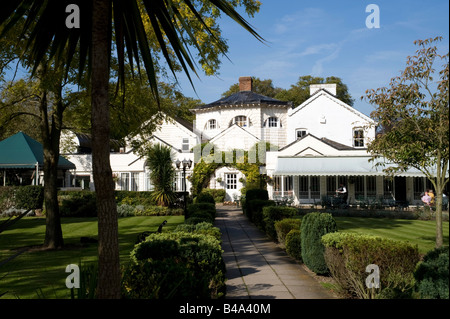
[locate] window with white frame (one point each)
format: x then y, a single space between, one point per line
272 121
358 137
124 181
212 124
242 121
231 180
135 181
185 145
300 132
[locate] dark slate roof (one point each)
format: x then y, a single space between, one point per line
244 97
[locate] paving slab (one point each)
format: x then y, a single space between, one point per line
256 267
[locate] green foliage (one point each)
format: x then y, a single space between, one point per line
79 204
29 197
271 214
432 275
204 197
217 194
159 161
348 254
203 228
176 265
284 226
256 194
313 227
254 211
294 244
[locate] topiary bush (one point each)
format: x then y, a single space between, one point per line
204 197
294 244
209 208
313 227
271 214
432 275
203 228
176 265
284 226
254 211
347 256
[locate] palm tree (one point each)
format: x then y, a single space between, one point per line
159 160
121 19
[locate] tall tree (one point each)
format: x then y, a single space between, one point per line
121 19
413 112
299 92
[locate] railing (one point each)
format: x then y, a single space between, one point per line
285 198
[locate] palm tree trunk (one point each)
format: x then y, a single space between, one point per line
108 245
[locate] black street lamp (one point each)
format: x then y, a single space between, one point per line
186 164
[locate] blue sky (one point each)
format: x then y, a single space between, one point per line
325 38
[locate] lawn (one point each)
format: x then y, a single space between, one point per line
420 232
41 274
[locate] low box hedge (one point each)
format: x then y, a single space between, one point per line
284 226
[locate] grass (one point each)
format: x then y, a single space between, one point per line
420 232
41 274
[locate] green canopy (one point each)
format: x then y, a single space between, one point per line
21 151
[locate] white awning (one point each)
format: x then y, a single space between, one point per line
334 166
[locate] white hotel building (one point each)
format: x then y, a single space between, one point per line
320 144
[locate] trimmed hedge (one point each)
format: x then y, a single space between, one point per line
348 254
271 214
217 194
313 227
77 204
294 244
176 265
21 197
203 228
284 226
432 275
204 197
254 210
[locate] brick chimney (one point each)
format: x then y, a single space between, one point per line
245 83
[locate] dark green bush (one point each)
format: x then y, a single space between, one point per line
209 208
217 194
347 256
293 244
29 197
284 226
176 265
256 194
432 275
314 226
254 210
77 204
271 214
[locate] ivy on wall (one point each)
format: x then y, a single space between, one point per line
248 162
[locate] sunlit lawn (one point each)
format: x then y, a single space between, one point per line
420 232
41 274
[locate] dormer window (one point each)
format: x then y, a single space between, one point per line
300 132
241 120
272 121
358 137
212 124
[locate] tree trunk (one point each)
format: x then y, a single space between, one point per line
108 244
53 231
50 136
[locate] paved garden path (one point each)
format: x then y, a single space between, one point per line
257 267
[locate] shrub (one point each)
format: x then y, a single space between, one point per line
125 210
254 209
203 228
217 194
313 227
348 255
252 194
29 197
209 208
293 244
271 214
204 197
284 226
176 265
432 275
78 204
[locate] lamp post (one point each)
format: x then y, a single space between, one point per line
186 164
